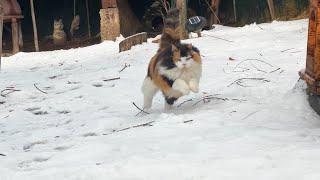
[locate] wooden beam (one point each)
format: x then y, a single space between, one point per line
271 9
1 28
34 23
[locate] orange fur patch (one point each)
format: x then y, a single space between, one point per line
196 57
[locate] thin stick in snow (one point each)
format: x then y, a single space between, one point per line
112 79
286 50
239 80
274 70
257 68
219 38
141 110
131 127
185 102
2 154
125 66
8 91
39 89
187 121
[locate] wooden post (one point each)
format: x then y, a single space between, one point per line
20 36
88 18
271 9
214 17
34 23
1 28
15 36
110 24
182 6
311 74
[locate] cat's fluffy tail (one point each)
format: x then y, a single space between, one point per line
171 33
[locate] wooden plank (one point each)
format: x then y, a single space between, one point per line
15 36
271 9
1 30
34 23
133 40
317 49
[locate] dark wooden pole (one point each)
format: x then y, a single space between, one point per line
1 28
88 18
35 31
271 9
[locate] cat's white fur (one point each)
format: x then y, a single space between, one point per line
186 78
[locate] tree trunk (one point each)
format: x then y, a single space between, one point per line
182 6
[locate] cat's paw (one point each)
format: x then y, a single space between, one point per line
194 86
181 86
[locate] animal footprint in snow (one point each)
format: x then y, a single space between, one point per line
89 134
63 112
97 84
30 145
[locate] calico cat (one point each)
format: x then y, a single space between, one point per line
59 36
176 68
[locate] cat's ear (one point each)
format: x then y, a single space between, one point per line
60 20
174 48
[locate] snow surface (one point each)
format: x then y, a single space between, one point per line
264 129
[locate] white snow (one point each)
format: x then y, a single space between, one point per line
264 130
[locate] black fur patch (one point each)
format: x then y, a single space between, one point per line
171 100
166 59
169 81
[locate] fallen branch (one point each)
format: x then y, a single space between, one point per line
257 68
286 50
125 66
2 154
69 82
239 80
141 110
185 102
40 89
9 92
131 127
219 38
112 79
274 70
187 121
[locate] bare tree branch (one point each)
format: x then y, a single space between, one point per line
39 89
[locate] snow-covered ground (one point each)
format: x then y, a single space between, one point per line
261 128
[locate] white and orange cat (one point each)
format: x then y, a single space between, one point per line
176 69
